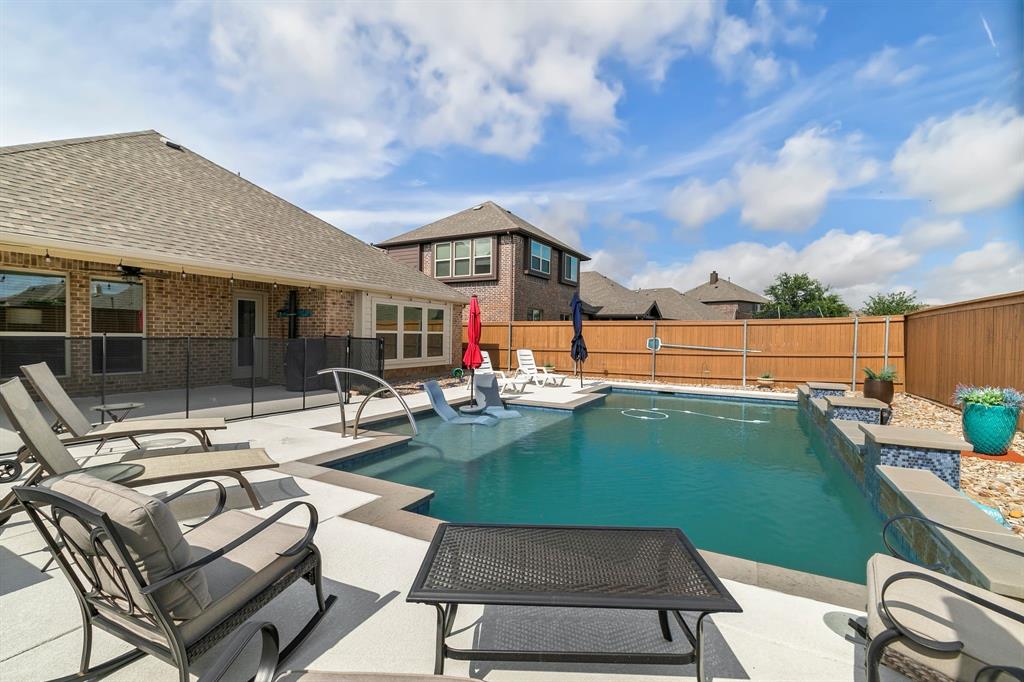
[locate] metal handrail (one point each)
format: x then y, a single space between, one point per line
385 386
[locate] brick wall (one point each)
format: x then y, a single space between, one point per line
549 295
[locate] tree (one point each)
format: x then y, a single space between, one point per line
800 295
896 303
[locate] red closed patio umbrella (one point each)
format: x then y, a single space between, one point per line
472 358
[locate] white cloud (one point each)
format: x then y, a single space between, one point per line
838 258
625 227
561 217
694 203
971 161
790 192
884 67
932 234
618 261
995 268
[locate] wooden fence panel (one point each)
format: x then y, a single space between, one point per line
793 351
977 342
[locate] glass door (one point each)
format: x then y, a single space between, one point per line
249 321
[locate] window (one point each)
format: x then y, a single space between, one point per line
411 331
540 258
534 314
117 312
33 321
464 258
570 268
565 317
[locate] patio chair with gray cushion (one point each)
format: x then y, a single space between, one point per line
926 623
168 594
81 430
53 457
268 669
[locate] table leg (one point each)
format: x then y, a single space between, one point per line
135 442
698 650
663 620
439 650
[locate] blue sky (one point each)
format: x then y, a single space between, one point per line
878 146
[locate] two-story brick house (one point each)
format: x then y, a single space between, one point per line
517 270
730 299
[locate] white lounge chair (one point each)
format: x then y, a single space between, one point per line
538 375
517 384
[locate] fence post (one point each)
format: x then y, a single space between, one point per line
305 347
188 373
853 374
252 380
103 377
885 352
745 352
654 354
508 355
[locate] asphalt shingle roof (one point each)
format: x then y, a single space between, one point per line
133 192
723 291
611 299
675 305
486 218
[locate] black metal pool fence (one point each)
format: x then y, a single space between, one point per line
208 376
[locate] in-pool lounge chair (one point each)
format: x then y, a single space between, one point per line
517 384
538 375
445 411
81 430
919 618
54 459
169 594
268 666
485 389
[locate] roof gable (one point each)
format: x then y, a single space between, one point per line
485 218
132 193
611 299
723 291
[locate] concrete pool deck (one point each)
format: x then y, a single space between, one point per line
370 567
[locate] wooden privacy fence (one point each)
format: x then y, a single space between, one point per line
793 351
977 342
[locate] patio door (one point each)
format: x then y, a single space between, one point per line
249 311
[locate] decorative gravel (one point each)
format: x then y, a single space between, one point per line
996 484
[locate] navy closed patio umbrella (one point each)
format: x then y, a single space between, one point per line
579 346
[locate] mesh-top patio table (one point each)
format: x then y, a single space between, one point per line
569 566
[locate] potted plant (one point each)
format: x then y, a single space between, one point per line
989 416
766 380
878 385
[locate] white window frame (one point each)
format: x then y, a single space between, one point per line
67 309
542 259
142 334
423 360
473 274
568 257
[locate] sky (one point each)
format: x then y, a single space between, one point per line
876 146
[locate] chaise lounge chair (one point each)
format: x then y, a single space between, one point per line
485 388
137 577
920 618
538 375
517 384
81 430
54 459
445 411
269 663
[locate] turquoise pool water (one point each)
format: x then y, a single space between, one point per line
741 478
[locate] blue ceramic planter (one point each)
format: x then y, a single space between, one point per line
990 428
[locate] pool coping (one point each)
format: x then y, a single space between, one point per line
395 504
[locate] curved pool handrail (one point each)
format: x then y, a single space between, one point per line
384 387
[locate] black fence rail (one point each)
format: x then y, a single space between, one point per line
197 376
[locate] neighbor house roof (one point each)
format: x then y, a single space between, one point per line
486 218
675 305
724 291
609 299
136 197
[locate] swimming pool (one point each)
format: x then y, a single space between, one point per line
740 478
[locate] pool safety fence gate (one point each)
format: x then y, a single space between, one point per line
232 377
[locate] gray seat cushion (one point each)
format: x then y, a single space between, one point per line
151 535
240 575
988 638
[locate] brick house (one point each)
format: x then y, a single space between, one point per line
517 270
732 300
606 299
138 239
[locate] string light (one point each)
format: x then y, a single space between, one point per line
275 285
183 275
231 282
47 258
